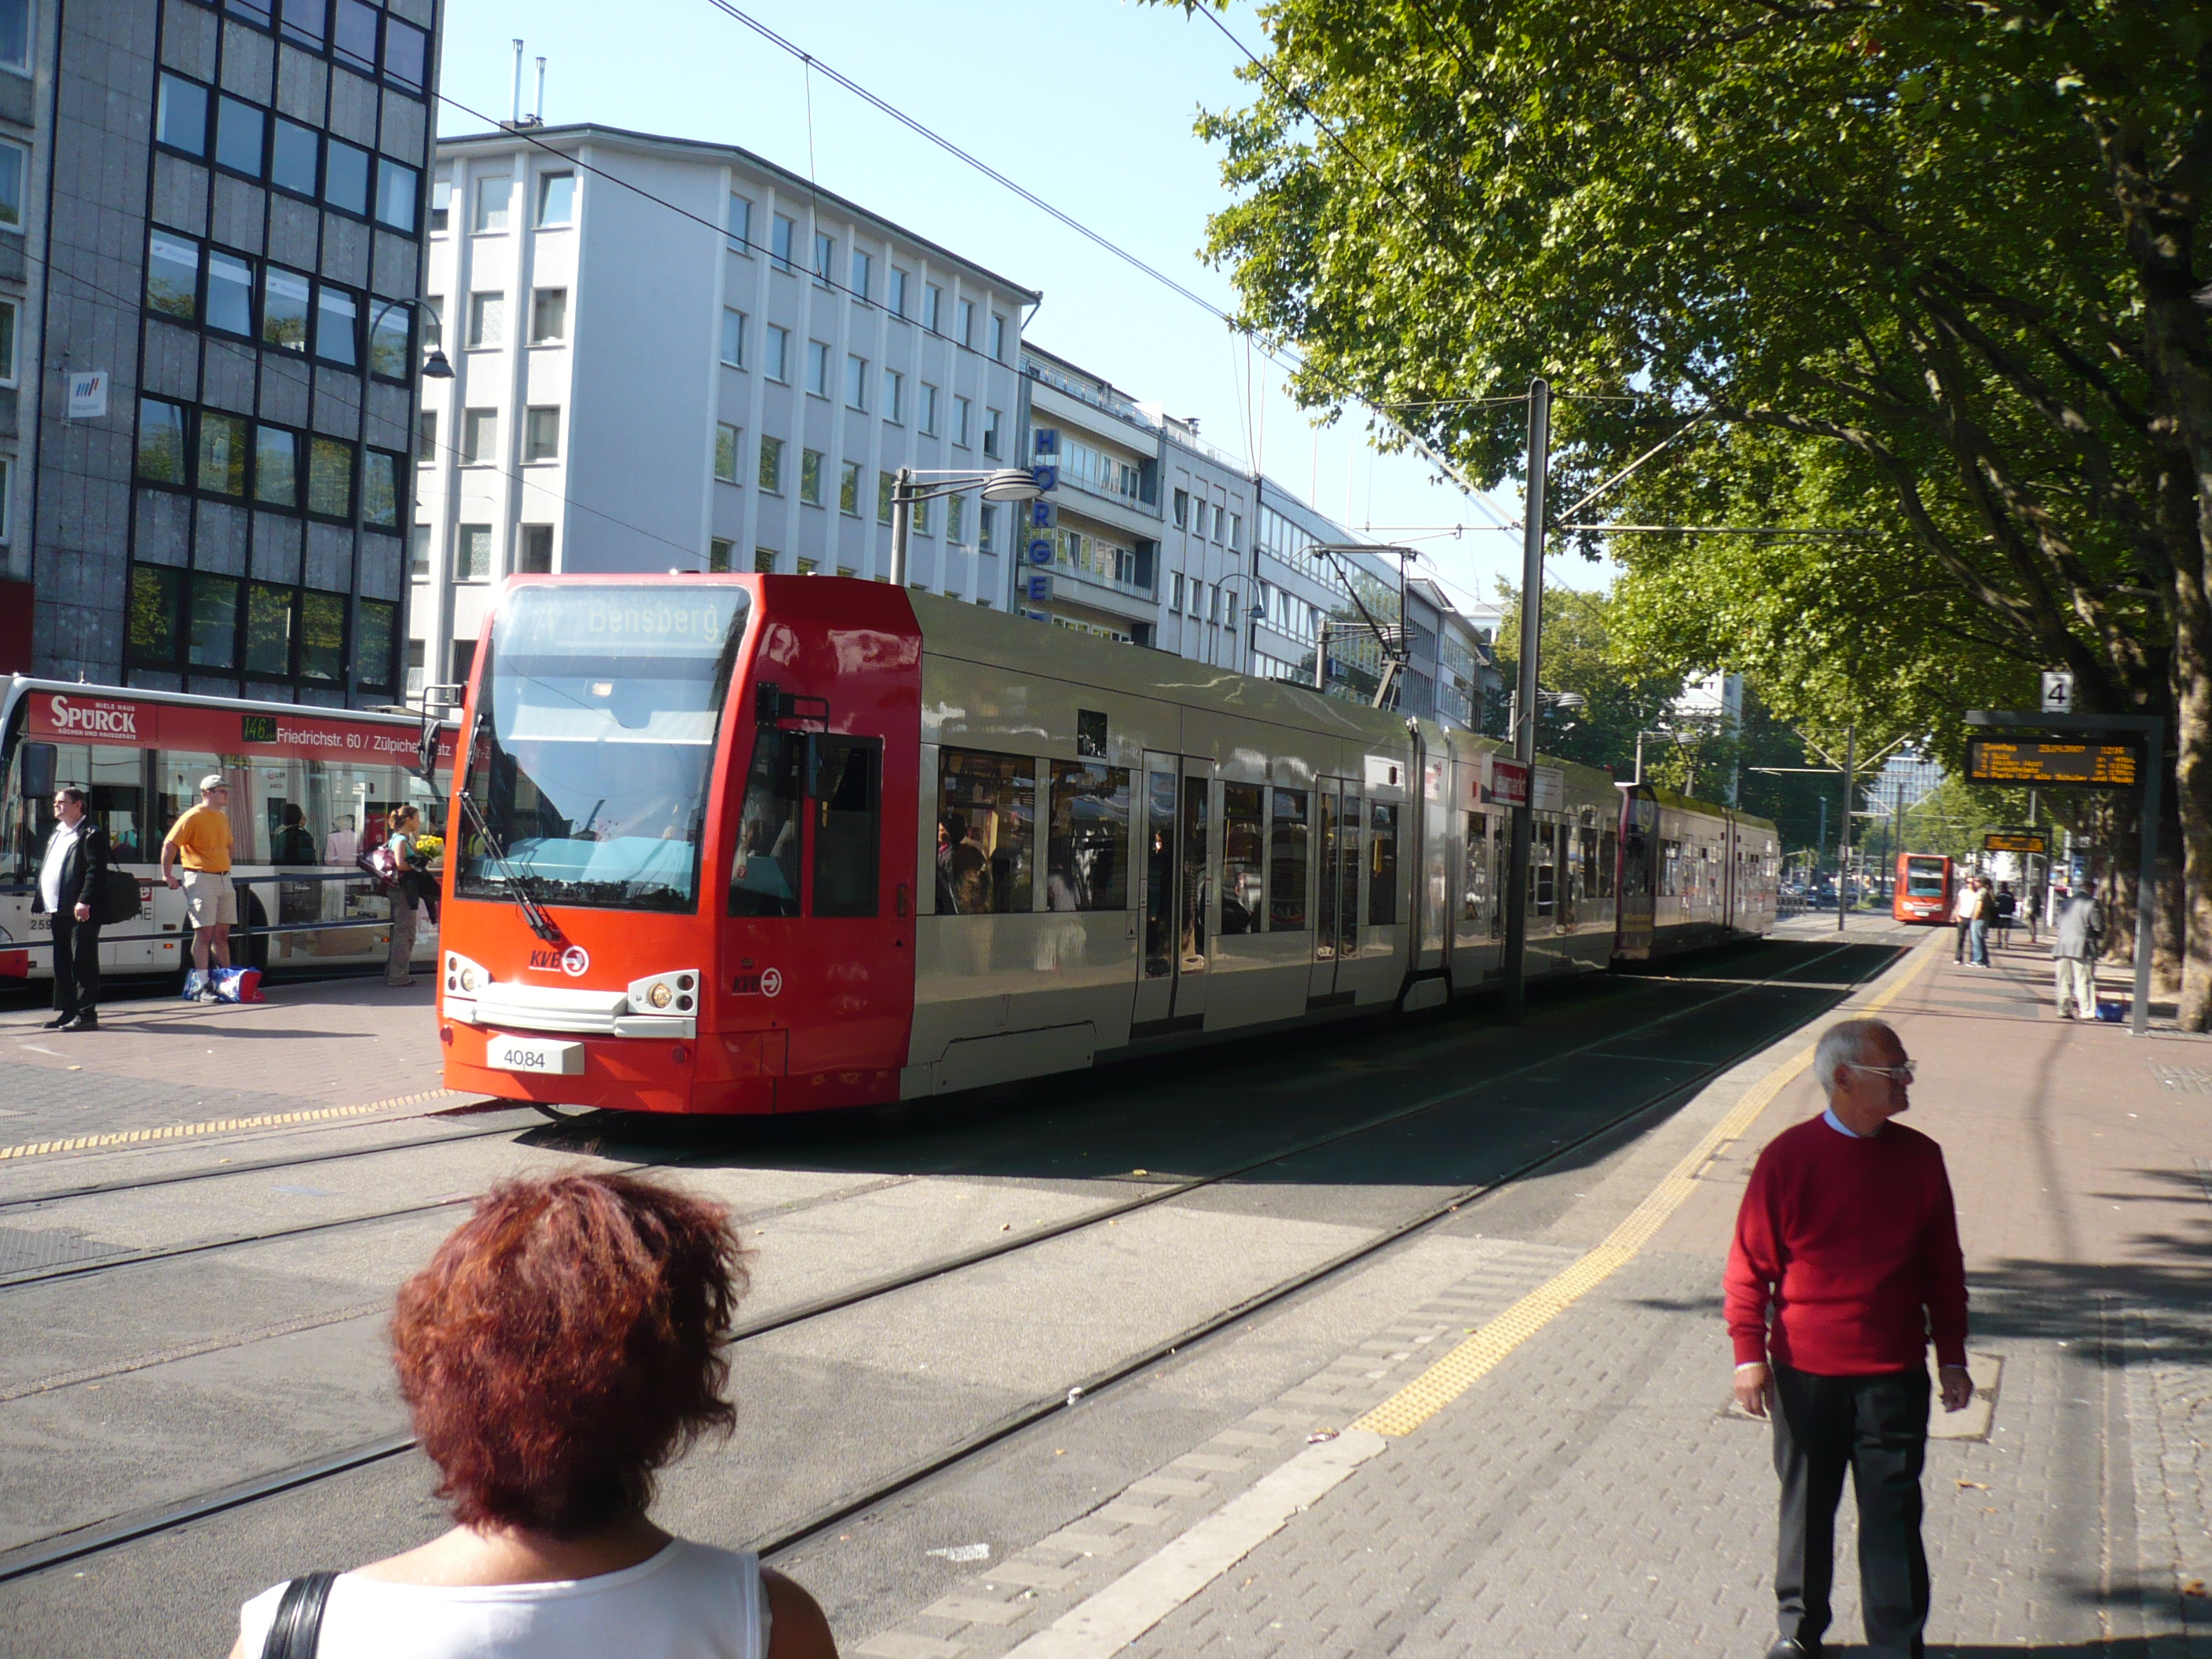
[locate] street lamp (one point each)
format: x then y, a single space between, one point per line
1005 483
1682 740
1544 699
435 364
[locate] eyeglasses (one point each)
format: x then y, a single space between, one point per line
1894 1073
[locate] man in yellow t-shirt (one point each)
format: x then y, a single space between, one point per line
200 840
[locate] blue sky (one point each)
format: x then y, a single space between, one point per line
1088 103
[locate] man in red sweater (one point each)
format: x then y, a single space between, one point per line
1846 1261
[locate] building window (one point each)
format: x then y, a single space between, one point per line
991 421
962 409
817 368
160 441
779 354
825 256
180 115
426 436
771 465
896 296
718 549
894 397
268 629
345 178
15 35
172 275
885 483
557 199
1236 530
379 489
434 324
338 325
276 467
848 488
856 382
932 307
741 227
486 321
388 332
540 436
964 317
1182 509
479 437
921 518
441 199
472 553
1175 593
398 188
864 274
229 292
549 316
726 452
533 557
353 35
221 470
295 159
241 138
493 196
418 553
784 231
809 476
418 669
734 336
764 561
330 477
986 527
998 337
956 520
406 53
928 410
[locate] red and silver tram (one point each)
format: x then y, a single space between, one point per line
1926 884
774 844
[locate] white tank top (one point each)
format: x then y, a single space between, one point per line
689 1601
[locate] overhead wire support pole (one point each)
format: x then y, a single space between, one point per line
1843 831
1525 698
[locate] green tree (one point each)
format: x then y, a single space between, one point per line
1618 698
1927 271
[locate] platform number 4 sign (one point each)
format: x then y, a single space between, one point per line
2057 691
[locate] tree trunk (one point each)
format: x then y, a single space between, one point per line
2193 797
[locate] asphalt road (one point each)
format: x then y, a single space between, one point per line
127 1386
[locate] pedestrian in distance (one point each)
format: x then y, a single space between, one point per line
401 827
2008 906
1985 913
566 1343
1845 1261
1962 916
199 842
70 875
2077 936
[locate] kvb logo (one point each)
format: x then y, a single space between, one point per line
576 961
99 719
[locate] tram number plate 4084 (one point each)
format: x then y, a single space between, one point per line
510 1054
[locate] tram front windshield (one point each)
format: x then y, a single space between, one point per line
597 714
1923 879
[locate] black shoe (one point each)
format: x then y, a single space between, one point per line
57 1022
87 1021
1792 1647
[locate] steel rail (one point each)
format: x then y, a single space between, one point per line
40 1554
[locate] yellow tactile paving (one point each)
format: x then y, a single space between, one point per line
1459 1370
183 1130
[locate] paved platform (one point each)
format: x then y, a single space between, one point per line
1540 1457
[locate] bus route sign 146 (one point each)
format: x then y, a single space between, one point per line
2091 765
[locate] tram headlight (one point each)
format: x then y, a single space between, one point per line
660 996
470 979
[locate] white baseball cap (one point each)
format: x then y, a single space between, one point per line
213 781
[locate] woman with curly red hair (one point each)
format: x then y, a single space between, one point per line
566 1343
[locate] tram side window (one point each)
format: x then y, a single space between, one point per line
1287 855
1243 843
1544 869
1475 896
1608 862
1382 865
1670 857
1087 850
848 824
1588 887
985 817
764 872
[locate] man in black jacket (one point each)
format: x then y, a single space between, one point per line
68 887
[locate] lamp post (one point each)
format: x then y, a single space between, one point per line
1533 523
1005 483
1681 739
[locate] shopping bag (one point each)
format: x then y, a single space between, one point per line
195 983
237 985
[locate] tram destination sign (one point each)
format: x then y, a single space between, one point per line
2013 841
2088 765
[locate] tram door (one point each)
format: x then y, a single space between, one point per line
1178 843
1336 893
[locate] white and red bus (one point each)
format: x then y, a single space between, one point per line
1926 884
309 787
770 844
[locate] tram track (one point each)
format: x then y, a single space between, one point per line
39 1554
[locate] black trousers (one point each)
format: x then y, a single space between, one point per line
1965 931
76 966
1877 1428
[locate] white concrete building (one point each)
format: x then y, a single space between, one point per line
723 378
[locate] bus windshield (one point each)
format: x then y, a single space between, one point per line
596 712
1923 878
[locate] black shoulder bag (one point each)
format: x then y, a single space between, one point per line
298 1625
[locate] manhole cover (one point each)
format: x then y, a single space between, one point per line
24 1250
2187 1080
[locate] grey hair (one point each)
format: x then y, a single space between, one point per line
1845 1043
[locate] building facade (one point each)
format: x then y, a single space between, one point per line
678 355
1089 555
25 121
230 226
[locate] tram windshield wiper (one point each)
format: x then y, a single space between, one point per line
518 884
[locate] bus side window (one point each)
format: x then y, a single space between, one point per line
764 872
848 824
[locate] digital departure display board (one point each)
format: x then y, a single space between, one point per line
2092 765
2013 841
